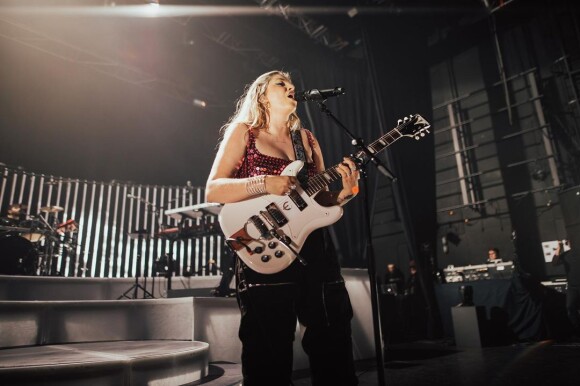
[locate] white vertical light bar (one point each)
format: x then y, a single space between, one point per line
177 247
90 233
105 252
160 242
129 241
22 185
48 194
113 235
82 255
40 194
60 245
137 228
122 260
67 216
13 188
146 238
3 187
29 203
79 230
58 192
155 211
98 254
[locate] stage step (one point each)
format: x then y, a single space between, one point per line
153 362
58 322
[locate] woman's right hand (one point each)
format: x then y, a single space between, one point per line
280 185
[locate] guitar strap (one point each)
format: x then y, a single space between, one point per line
300 155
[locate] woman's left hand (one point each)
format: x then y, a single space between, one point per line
350 176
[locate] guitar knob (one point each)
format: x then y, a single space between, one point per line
272 244
258 249
279 254
265 258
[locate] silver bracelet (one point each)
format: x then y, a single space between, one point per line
256 185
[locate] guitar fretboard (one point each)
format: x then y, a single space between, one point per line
325 178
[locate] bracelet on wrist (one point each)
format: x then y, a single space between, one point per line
256 185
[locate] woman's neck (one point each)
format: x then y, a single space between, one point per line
278 126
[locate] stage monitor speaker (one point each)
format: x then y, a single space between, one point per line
570 204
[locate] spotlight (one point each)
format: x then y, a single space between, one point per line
199 103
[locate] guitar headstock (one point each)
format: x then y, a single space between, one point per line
414 126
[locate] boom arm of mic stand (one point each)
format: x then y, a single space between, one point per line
358 143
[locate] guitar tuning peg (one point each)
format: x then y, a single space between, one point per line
417 137
422 134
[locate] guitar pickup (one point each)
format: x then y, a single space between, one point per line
277 215
298 200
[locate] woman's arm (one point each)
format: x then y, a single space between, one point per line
221 185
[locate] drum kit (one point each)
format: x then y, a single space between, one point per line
31 245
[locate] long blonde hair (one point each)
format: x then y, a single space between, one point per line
252 111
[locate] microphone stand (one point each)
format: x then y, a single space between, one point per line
359 144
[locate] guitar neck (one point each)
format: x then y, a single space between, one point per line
325 178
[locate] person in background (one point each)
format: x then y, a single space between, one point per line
571 261
394 279
493 256
260 140
413 286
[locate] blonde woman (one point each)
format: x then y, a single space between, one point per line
256 147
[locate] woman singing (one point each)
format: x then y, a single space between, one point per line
257 145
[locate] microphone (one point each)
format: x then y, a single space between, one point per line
318 95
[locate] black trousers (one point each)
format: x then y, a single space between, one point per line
313 294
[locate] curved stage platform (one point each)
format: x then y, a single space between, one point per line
74 330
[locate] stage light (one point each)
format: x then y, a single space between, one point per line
199 103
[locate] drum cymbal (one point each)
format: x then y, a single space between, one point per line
51 209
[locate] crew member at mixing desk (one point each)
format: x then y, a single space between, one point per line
493 256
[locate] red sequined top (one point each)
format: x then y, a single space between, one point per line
256 163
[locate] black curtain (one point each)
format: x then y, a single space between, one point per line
397 51
356 110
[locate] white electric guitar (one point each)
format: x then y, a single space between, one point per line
268 231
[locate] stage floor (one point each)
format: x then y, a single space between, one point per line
438 363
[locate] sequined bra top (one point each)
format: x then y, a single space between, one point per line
256 163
